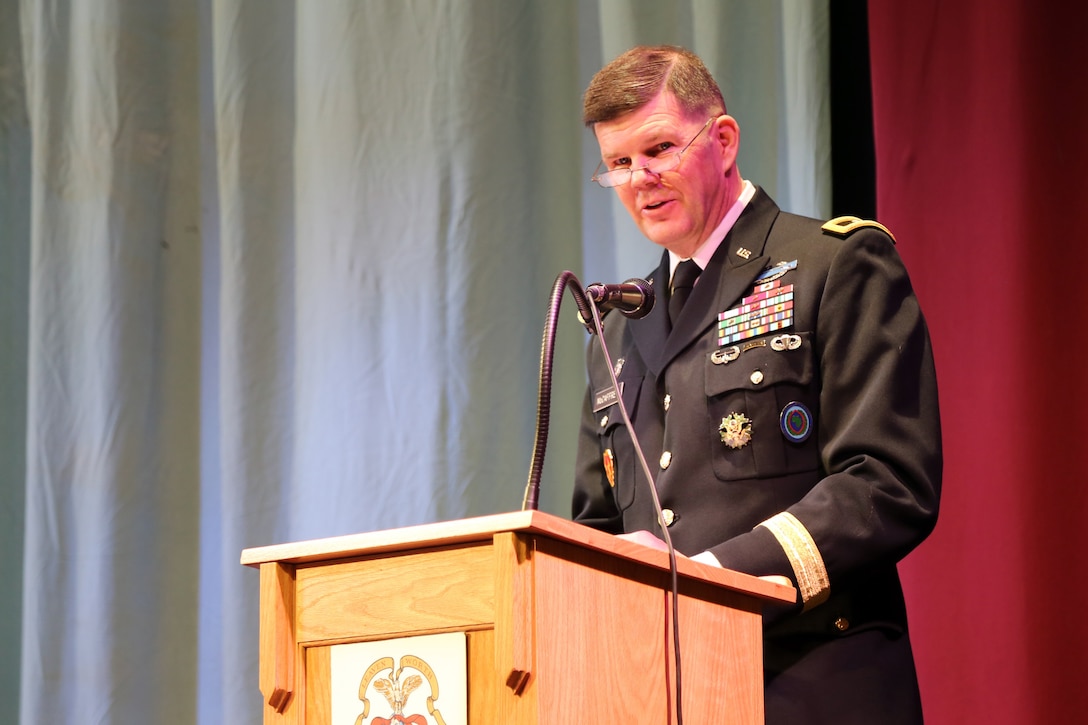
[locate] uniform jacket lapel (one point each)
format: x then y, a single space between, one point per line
651 332
726 277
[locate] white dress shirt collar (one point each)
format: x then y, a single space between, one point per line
710 244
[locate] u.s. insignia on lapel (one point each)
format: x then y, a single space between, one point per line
735 430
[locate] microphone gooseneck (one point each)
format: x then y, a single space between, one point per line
633 298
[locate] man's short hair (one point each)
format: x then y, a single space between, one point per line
636 77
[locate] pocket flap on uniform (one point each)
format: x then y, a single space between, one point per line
759 363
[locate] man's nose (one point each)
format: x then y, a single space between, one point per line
643 177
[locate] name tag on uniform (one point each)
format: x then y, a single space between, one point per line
604 398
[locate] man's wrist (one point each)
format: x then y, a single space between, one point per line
706 557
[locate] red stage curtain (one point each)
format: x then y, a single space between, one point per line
982 157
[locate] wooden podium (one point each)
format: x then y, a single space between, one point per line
563 623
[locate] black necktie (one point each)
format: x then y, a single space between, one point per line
683 279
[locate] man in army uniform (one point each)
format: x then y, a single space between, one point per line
788 409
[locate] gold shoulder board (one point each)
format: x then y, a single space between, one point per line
843 226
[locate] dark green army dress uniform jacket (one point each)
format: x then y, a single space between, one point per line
791 421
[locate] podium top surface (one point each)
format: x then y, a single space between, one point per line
483 528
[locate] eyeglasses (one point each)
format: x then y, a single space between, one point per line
664 161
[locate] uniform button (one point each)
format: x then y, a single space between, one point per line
842 624
668 516
757 377
666 459
667 402
604 420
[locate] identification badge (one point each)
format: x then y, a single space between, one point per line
604 398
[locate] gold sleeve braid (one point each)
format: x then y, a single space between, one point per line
808 565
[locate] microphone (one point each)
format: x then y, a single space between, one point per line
633 298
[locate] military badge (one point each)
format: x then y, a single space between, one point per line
772 273
609 462
785 342
735 430
724 355
796 422
767 309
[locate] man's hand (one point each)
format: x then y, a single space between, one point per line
645 538
648 539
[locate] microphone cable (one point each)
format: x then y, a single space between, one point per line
589 313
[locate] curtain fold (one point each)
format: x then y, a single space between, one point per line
14 294
284 272
111 423
979 160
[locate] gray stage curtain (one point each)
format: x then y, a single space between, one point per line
278 270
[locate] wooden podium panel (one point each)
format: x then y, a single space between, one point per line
563 623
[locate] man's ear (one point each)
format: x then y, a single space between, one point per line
727 133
